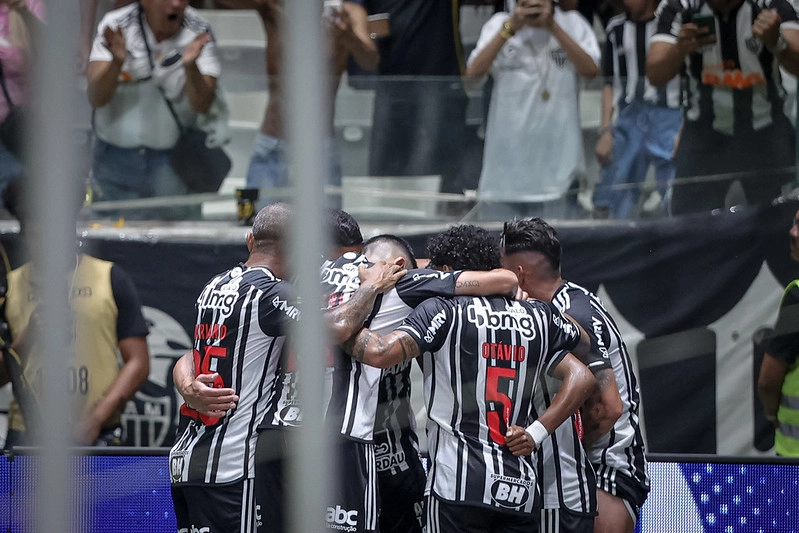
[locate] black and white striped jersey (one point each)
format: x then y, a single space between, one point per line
566 477
352 389
624 65
482 361
395 422
622 449
735 85
240 334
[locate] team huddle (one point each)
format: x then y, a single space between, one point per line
530 395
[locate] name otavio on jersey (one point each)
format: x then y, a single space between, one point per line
513 318
341 279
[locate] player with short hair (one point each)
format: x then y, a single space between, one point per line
613 441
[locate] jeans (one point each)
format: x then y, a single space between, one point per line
643 135
268 170
134 173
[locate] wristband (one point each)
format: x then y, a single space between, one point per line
538 432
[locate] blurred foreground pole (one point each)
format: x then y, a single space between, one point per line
305 113
52 166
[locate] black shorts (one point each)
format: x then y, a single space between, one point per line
445 517
215 508
354 499
270 484
401 479
618 484
558 520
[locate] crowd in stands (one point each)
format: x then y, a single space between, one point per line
694 96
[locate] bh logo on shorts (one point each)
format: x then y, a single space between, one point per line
341 519
509 495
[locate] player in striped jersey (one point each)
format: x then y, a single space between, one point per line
229 382
400 473
475 482
353 388
612 438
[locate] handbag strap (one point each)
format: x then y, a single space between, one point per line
172 111
5 89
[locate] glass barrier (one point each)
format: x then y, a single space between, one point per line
435 149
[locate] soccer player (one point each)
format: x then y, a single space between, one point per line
483 357
354 388
612 438
230 380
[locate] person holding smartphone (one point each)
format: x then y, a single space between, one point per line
729 52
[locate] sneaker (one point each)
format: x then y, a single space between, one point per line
652 203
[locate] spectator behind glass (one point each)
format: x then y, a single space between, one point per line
534 144
17 19
108 357
420 102
649 118
134 127
347 37
732 96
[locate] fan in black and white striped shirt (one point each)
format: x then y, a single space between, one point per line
612 437
733 96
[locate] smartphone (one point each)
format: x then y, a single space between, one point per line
705 20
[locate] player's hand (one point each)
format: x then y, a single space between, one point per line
604 148
115 42
202 396
383 276
692 38
519 441
195 48
767 27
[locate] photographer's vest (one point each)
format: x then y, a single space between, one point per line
786 439
95 364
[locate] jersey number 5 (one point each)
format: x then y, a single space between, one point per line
493 394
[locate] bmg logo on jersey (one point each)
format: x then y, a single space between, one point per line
513 319
508 494
341 519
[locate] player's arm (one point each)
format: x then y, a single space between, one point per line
346 319
198 391
602 408
498 281
769 385
577 385
380 351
